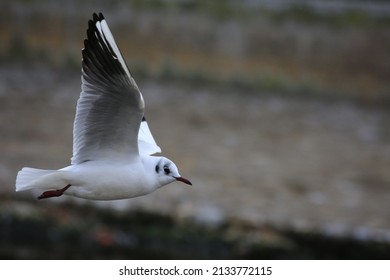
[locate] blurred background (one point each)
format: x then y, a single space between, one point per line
277 111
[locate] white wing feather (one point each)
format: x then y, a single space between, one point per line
146 143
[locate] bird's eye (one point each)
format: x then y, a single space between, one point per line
166 170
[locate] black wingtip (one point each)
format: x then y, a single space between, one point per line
97 17
91 24
98 58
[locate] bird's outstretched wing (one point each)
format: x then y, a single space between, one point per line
111 107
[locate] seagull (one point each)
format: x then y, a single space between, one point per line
113 148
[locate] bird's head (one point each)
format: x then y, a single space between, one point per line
167 172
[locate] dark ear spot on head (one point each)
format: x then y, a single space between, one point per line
157 168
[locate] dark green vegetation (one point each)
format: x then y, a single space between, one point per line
68 231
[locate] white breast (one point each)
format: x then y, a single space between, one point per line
100 180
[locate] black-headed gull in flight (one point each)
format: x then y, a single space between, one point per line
112 144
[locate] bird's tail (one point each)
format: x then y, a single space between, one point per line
32 178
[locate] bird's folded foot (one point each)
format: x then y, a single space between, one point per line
54 193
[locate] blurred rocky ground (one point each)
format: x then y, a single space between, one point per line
278 115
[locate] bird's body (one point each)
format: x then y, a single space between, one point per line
112 144
86 180
116 178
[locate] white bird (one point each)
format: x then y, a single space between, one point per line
112 144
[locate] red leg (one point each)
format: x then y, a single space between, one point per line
54 193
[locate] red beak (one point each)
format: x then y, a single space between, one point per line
184 180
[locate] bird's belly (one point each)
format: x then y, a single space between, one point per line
110 183
106 191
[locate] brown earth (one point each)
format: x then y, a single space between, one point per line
258 158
